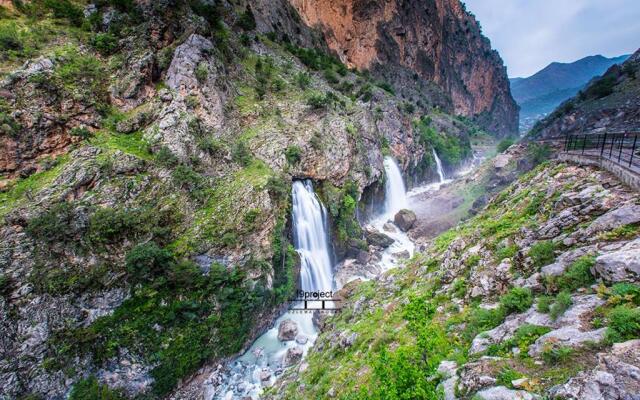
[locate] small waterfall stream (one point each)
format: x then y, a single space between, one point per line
439 166
263 362
395 193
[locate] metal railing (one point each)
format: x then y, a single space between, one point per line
621 148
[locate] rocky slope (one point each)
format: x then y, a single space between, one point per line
403 41
147 151
609 103
535 297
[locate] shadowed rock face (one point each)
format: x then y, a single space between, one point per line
438 41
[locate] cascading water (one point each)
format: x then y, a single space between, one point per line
310 238
395 193
439 166
259 366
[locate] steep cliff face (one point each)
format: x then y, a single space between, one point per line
438 41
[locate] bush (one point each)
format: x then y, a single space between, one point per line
303 80
4 283
318 101
560 305
624 324
146 261
65 9
54 225
538 153
90 389
553 354
577 275
187 179
241 154
516 300
544 304
505 144
166 158
542 253
602 87
247 21
108 225
81 132
202 72
9 37
627 291
293 154
105 43
83 75
211 145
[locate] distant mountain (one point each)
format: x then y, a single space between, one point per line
542 92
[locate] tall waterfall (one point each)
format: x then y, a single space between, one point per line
439 166
395 197
310 238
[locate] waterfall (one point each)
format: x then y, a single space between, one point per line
310 238
259 366
439 166
395 193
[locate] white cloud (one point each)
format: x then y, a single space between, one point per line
529 34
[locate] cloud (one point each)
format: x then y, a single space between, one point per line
530 34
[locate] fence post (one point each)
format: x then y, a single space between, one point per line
621 146
604 140
633 150
584 143
613 141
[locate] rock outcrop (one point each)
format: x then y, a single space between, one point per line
405 41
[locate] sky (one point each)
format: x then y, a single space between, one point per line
530 34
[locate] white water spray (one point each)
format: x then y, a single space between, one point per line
439 166
395 193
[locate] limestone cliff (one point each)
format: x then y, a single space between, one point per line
403 41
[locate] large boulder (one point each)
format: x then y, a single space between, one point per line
566 337
288 330
625 215
378 239
620 266
293 356
405 219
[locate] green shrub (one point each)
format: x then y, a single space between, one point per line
628 291
505 144
54 225
105 43
560 305
166 158
450 148
246 20
331 77
542 253
544 304
277 187
90 389
537 152
516 300
202 72
624 324
482 319
211 145
4 283
83 76
576 276
318 101
293 154
386 86
9 37
506 375
81 132
601 87
65 9
109 225
146 261
552 354
303 80
188 179
506 252
241 154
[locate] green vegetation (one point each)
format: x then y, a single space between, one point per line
293 154
342 207
505 144
560 305
578 275
524 337
624 323
451 149
542 253
105 43
552 354
516 300
90 389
